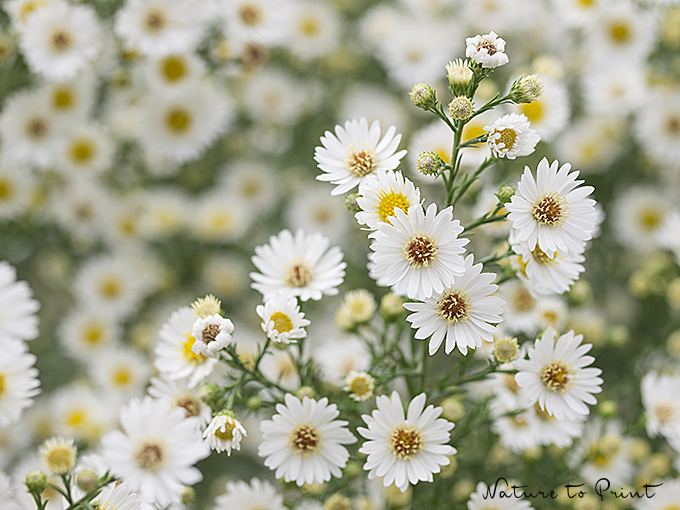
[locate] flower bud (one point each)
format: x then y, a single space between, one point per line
391 306
254 403
461 108
305 391
453 408
429 163
459 74
36 482
423 96
527 89
351 203
505 350
607 408
505 193
212 395
86 480
188 494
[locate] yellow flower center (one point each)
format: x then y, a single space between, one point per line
360 162
508 138
110 287
388 202
59 459
523 301
61 40
309 26
121 376
361 386
189 355
226 431
61 98
533 111
454 306
665 413
76 417
173 68
82 150
405 441
2 384
619 32
92 334
178 120
282 322
556 376
305 440
649 218
420 250
6 190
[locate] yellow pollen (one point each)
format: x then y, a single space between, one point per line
121 376
309 26
110 287
360 386
551 210
250 14
533 111
189 355
173 68
360 162
511 383
61 40
542 258
282 322
543 415
388 202
61 98
178 120
76 417
92 334
251 188
227 434
620 32
649 218
406 441
420 250
556 376
299 275
6 190
36 128
454 306
508 138
305 440
82 150
150 456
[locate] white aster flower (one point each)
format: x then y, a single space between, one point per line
60 40
359 385
405 449
84 334
178 394
58 455
381 193
276 365
243 496
174 70
18 188
175 358
155 451
18 318
224 433
303 441
660 397
339 356
552 212
657 126
555 375
264 22
356 151
542 274
464 314
299 265
88 151
117 497
78 411
418 254
315 28
18 380
512 136
212 334
122 371
486 50
282 320
498 497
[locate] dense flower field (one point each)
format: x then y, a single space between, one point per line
339 254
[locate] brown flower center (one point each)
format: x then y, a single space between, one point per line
551 210
37 128
155 20
150 456
250 14
189 404
421 250
305 440
556 376
61 40
210 332
299 275
488 46
454 306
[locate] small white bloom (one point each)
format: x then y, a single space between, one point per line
242 496
552 212
405 449
418 254
58 455
381 193
660 397
356 151
511 136
178 394
359 385
224 433
18 380
463 314
303 441
18 318
282 320
486 50
555 375
212 334
117 497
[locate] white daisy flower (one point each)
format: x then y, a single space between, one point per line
255 183
78 412
84 334
657 126
486 50
18 187
662 406
405 449
264 22
174 70
178 394
275 97
165 212
339 357
356 151
158 27
315 29
243 496
359 385
282 320
543 274
464 314
418 254
224 433
552 212
18 318
225 275
555 375
122 371
88 151
58 454
276 365
498 497
303 441
175 358
512 136
18 380
212 334
60 40
520 308
20 11
299 265
117 496
381 193
182 122
155 451
219 217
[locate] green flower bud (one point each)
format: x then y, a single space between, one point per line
305 391
188 494
36 482
526 89
351 203
461 108
254 403
423 96
459 74
429 163
607 408
212 395
86 480
505 193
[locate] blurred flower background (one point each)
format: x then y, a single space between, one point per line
147 147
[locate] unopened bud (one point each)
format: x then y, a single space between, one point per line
188 494
607 408
505 350
351 203
36 482
353 469
527 89
423 96
305 391
505 193
461 108
391 306
459 74
86 480
254 403
212 395
429 163
453 408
